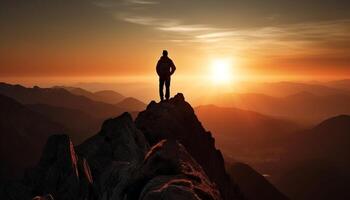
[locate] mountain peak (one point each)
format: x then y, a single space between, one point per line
338 124
339 118
175 119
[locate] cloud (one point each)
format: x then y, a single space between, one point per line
186 28
220 34
292 39
113 4
167 25
148 21
142 2
269 39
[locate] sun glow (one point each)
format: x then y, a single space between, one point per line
221 71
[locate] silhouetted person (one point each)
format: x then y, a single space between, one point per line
165 68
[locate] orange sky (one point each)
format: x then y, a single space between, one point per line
125 38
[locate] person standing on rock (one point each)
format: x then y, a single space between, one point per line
165 68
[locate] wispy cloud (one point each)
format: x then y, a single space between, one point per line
168 25
112 4
186 28
142 2
148 21
220 34
283 39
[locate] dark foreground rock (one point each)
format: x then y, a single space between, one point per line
175 120
60 174
167 154
169 172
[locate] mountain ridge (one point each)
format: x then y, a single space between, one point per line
122 162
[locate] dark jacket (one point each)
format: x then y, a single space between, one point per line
165 67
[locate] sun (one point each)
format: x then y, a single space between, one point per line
221 71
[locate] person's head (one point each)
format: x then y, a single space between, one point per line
165 53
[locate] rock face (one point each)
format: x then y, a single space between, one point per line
175 120
118 142
60 174
116 163
169 172
125 167
166 154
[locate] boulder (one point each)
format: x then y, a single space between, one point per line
169 172
60 172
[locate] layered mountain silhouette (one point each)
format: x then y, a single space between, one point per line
59 97
71 107
131 104
165 154
79 124
340 84
286 88
243 128
318 162
247 136
253 184
106 96
23 134
305 107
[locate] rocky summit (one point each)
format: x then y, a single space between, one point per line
165 154
175 120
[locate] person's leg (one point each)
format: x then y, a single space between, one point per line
167 86
161 84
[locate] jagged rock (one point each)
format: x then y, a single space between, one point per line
60 172
174 174
118 141
125 169
118 162
175 120
45 197
114 154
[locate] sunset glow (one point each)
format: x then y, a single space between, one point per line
221 71
125 38
175 99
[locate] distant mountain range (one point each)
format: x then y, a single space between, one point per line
318 162
303 163
59 97
23 134
78 123
285 88
304 107
111 97
340 84
106 96
131 104
72 107
236 129
252 184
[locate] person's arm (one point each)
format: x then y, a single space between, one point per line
158 68
172 67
